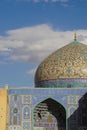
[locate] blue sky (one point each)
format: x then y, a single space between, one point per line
30 30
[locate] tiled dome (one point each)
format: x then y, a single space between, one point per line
68 62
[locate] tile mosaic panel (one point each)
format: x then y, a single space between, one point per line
20 112
46 91
14 127
26 126
15 110
69 98
26 99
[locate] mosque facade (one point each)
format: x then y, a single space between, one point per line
59 99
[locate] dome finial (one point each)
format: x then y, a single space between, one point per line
75 37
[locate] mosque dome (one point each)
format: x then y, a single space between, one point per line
66 67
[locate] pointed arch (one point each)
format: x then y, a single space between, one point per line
45 98
50 113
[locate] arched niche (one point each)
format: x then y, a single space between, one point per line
26 112
49 115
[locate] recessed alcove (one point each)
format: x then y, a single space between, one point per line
50 114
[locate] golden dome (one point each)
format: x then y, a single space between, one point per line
68 62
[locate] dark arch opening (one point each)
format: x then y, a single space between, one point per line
50 115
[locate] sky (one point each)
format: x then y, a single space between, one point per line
30 30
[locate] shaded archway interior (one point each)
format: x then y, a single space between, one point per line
78 118
50 114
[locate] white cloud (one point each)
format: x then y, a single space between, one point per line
32 71
33 44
